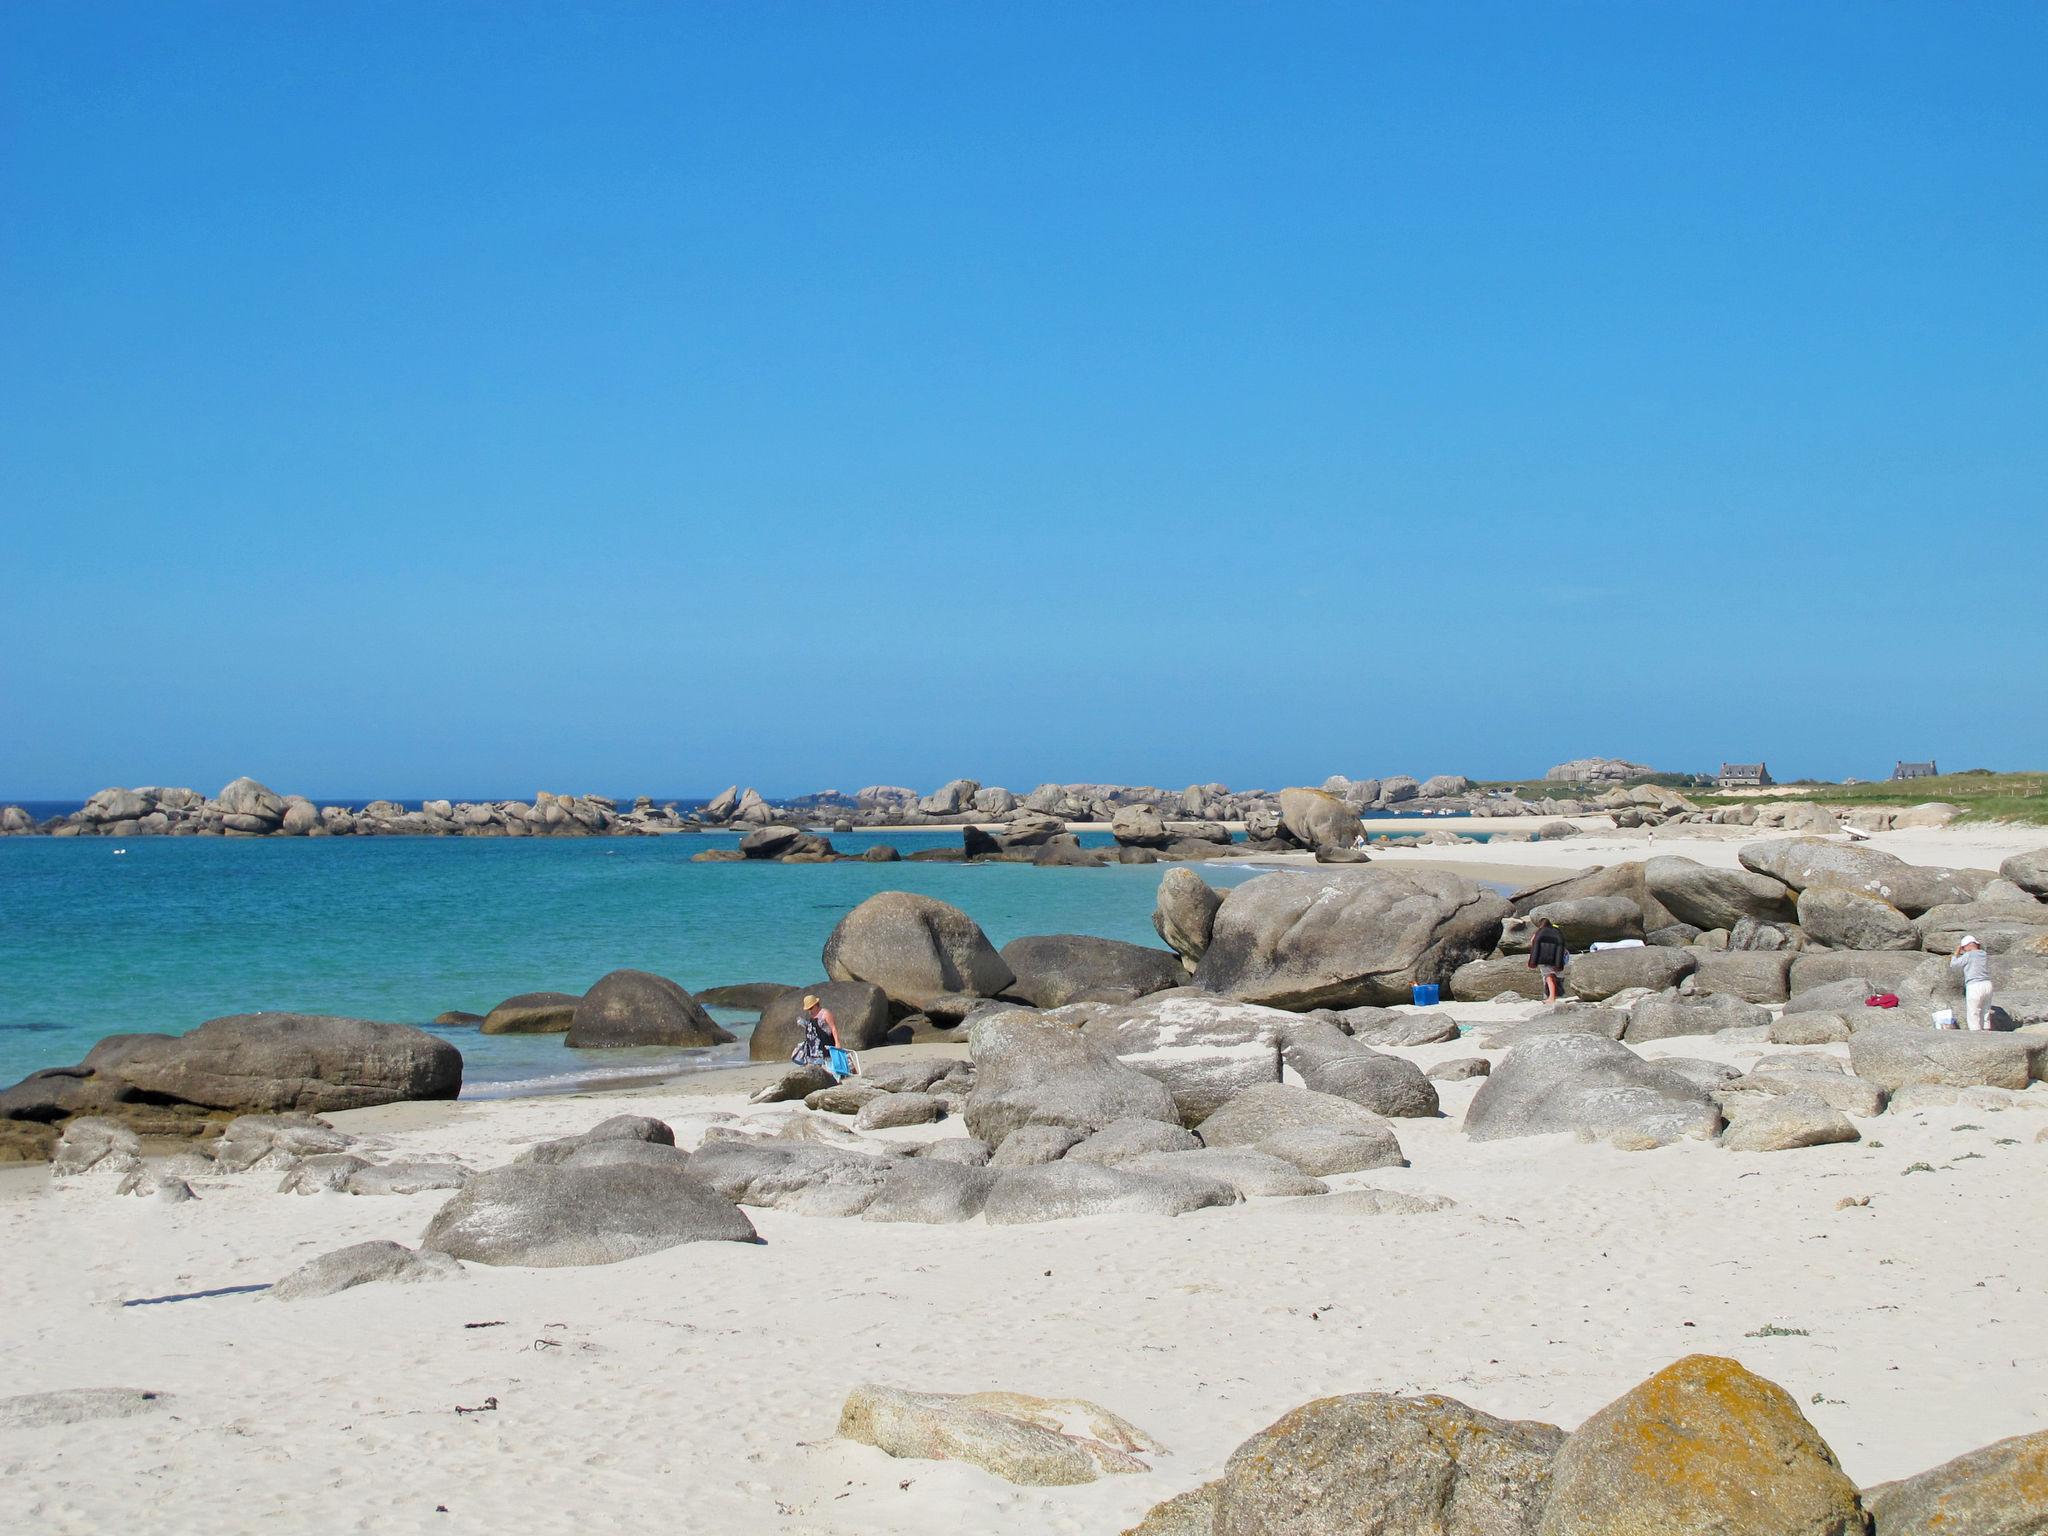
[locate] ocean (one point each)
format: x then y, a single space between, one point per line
175 931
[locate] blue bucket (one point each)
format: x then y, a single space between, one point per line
1427 995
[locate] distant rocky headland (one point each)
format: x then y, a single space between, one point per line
996 822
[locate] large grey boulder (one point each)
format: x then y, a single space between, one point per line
788 1175
1997 1490
1252 1173
1185 913
1038 1442
859 1008
253 801
1344 936
916 949
1803 862
1314 819
1597 976
2028 871
1793 1075
1054 969
930 1191
1755 976
532 1013
1126 1139
1890 970
1030 1145
1204 1048
1030 1070
1372 1462
292 1061
1623 880
2001 927
890 1110
1323 1151
1255 1117
1596 1087
627 1008
1845 997
1481 981
363 1264
1715 898
1331 1062
1139 826
1062 1191
1842 918
1785 1123
1584 920
1893 1056
555 1217
1667 1015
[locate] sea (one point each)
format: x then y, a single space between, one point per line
101 936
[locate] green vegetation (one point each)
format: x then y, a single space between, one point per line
1982 794
1773 1331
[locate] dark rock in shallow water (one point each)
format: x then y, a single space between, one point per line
532 1013
629 1008
880 853
455 1018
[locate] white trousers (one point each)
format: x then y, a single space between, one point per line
1977 1004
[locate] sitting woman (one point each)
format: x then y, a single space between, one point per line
819 1046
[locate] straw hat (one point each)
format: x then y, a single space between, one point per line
810 1000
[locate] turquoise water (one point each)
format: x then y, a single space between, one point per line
176 931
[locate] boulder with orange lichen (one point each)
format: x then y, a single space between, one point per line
1703 1446
1999 1490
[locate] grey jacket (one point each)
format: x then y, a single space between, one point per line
1974 964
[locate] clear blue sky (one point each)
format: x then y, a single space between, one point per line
469 398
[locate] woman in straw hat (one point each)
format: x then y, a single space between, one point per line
820 1045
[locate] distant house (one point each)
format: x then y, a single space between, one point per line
1925 770
1744 775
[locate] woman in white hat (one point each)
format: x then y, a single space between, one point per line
1975 965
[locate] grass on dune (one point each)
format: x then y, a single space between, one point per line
1983 795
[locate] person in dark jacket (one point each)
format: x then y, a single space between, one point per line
1547 954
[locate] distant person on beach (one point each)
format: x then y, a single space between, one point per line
1548 954
821 1036
1975 966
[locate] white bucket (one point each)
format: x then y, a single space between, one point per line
1944 1018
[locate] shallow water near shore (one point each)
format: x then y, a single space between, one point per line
175 931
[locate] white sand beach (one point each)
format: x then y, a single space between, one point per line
697 1389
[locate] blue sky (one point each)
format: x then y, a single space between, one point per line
459 398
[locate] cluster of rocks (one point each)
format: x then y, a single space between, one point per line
623 1008
194 1084
305 1153
1704 1445
1800 912
246 808
1599 770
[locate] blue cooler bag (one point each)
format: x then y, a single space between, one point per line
1426 994
840 1063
